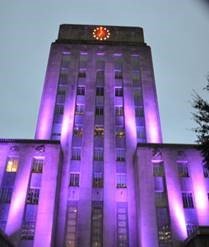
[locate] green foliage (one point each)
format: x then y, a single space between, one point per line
201 117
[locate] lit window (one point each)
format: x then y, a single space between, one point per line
97 179
119 111
187 200
78 131
99 111
99 91
119 91
80 90
33 196
98 131
74 179
120 132
12 165
37 166
121 180
183 170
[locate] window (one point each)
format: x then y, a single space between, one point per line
59 109
79 109
65 60
99 131
5 195
99 111
97 224
137 98
119 91
120 154
121 180
82 74
120 132
206 172
80 90
33 196
191 228
28 230
98 154
74 179
140 131
159 183
119 111
12 165
164 232
187 200
97 179
122 225
183 169
72 215
37 166
100 75
78 131
158 169
60 96
99 91
139 112
76 154
63 78
118 75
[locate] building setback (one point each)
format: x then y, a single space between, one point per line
97 173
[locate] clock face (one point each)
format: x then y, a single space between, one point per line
101 33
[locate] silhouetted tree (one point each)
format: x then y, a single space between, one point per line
201 117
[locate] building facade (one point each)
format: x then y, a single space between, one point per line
98 174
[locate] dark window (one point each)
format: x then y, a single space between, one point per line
99 91
158 169
28 230
97 179
99 111
187 200
80 90
74 179
97 224
78 131
82 74
121 180
119 111
5 195
59 109
98 154
76 154
120 154
119 91
33 196
79 109
183 170
118 75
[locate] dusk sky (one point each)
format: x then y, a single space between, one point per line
177 31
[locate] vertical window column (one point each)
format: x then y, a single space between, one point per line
97 224
122 225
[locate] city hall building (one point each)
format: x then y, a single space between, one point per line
97 173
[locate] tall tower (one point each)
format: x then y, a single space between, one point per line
99 99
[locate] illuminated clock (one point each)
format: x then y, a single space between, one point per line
101 33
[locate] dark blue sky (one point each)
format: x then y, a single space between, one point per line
177 31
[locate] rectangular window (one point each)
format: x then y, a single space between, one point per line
74 179
79 109
118 91
99 91
78 131
119 111
71 228
65 60
158 169
120 154
37 166
122 225
81 74
139 112
140 131
100 75
32 196
12 165
137 98
118 75
159 183
99 111
164 232
120 132
121 180
28 230
187 200
80 90
97 224
76 154
206 172
99 131
59 109
98 180
191 228
98 154
183 170
5 195
63 78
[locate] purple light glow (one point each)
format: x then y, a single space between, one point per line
130 123
153 128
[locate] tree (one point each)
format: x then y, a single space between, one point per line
201 117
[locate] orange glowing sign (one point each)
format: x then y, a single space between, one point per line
101 33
